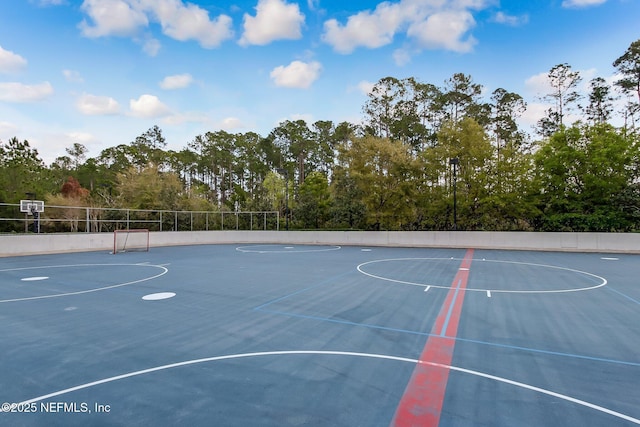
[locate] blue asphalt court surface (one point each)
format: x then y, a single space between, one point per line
290 335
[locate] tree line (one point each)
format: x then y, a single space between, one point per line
394 171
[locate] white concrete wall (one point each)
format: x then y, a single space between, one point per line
28 244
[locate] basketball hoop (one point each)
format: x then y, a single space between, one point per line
31 207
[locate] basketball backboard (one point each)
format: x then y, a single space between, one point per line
31 206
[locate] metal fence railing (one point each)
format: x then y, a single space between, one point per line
94 219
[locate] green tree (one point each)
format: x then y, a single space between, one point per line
149 189
295 141
468 141
564 95
600 106
148 148
380 168
21 171
78 154
379 108
629 66
461 98
347 208
398 108
580 174
314 201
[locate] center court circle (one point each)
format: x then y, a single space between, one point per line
494 276
269 249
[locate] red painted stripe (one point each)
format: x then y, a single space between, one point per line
421 404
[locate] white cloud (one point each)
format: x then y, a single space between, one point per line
308 118
11 62
18 92
231 123
298 74
581 3
274 20
81 137
151 47
179 81
365 87
368 29
112 18
190 22
514 21
401 57
148 106
534 112
434 24
7 130
93 105
444 30
72 76
179 21
538 84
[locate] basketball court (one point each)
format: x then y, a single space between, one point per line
290 335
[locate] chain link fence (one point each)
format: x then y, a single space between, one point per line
65 219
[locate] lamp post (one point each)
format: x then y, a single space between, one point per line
285 173
454 162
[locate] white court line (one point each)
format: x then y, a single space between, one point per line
164 271
488 294
325 248
552 291
335 353
427 288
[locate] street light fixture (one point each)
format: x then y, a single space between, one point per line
285 173
454 161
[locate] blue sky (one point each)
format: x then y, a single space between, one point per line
101 72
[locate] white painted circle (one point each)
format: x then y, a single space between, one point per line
603 282
342 354
274 249
34 279
159 296
164 270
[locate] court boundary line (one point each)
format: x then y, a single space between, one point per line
330 353
328 248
